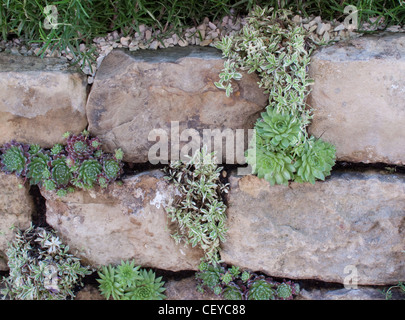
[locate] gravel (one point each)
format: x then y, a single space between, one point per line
206 34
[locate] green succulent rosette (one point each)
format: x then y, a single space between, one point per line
281 130
210 276
260 289
60 172
314 161
232 292
284 291
81 147
88 173
38 169
149 288
128 273
128 282
108 285
275 167
111 169
14 158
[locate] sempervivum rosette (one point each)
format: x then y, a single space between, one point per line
37 168
275 167
315 161
232 292
148 288
286 290
81 147
88 173
60 172
282 130
15 158
112 166
112 169
260 289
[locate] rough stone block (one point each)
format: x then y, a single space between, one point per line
359 98
40 99
120 223
136 92
348 229
16 209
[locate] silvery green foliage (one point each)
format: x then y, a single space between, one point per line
273 46
199 213
41 268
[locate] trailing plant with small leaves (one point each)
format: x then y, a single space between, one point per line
128 282
232 284
272 45
199 212
41 267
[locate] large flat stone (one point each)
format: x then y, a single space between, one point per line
136 92
121 223
351 223
40 99
16 209
359 98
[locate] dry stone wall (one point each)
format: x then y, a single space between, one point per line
300 231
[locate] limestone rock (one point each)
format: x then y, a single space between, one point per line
90 292
40 99
359 98
348 229
361 293
121 223
136 92
16 209
186 289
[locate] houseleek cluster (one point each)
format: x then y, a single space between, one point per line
128 282
80 163
272 45
230 283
